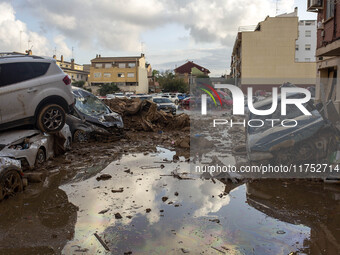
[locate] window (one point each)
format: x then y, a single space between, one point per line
121 65
121 75
18 72
109 65
131 65
307 47
309 23
107 75
329 9
131 75
301 22
307 59
296 60
99 65
97 75
308 33
296 47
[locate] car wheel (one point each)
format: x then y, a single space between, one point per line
10 183
51 118
40 158
80 136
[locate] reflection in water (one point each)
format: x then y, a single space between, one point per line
312 204
164 215
37 222
248 223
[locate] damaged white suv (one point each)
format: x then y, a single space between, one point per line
33 90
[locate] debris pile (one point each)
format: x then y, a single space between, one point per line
143 116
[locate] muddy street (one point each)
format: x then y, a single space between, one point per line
139 195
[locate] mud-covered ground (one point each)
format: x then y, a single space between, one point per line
139 195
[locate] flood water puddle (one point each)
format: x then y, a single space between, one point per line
161 214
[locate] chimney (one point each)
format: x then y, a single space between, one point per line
96 55
62 59
54 56
142 55
100 56
72 63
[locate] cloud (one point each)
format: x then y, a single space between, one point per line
118 25
15 36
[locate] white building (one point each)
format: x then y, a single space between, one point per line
306 43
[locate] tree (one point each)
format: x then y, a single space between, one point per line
108 88
170 83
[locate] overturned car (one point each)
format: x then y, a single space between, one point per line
91 116
311 140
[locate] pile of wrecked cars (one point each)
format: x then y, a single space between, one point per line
314 140
41 114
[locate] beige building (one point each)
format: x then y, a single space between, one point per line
75 71
129 73
264 56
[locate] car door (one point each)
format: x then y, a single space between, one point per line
16 89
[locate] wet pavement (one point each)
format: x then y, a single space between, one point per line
162 214
148 204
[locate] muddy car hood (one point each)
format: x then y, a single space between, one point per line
106 120
8 138
272 137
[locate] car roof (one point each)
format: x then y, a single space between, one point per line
23 58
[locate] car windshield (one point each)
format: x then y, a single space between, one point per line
89 104
161 100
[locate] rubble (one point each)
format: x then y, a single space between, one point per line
143 115
103 177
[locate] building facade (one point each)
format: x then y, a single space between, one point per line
327 50
306 43
264 56
75 71
189 71
129 73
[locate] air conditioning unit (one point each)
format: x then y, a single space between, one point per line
314 5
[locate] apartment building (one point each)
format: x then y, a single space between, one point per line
129 73
327 50
75 71
265 56
306 43
189 71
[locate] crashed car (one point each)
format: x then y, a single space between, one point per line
311 140
99 116
32 147
165 104
11 177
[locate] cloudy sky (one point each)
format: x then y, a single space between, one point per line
169 32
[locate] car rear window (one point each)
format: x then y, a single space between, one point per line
11 73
